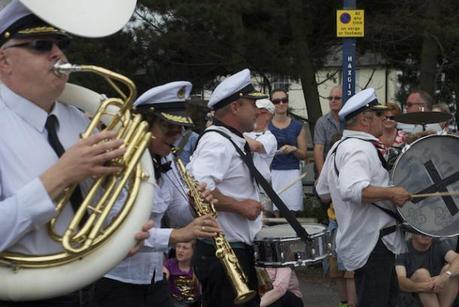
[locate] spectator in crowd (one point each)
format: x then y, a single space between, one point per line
285 290
429 269
327 126
442 107
291 144
418 101
392 138
183 284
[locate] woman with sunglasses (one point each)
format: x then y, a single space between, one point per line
392 138
291 144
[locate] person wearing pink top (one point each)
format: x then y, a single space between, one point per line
285 292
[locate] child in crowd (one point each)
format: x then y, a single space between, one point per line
183 284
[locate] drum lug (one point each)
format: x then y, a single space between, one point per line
300 256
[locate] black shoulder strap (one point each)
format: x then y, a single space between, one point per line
300 231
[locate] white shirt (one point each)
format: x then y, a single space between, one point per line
170 198
358 223
263 160
25 154
217 163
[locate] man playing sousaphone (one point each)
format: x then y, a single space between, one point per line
35 130
138 280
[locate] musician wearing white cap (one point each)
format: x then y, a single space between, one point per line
138 280
217 163
41 152
355 178
262 142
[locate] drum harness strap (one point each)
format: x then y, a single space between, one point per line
399 221
247 158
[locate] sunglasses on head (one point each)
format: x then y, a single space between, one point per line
43 45
279 100
330 98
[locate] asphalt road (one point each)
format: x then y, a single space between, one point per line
318 291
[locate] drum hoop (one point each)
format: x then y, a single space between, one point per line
294 238
417 141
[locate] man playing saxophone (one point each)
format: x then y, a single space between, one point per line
138 280
35 130
217 163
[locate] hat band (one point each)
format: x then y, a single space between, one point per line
360 110
166 106
226 101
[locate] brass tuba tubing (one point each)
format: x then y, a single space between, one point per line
75 241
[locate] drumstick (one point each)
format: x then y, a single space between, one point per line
435 194
288 186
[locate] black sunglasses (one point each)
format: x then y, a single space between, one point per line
330 98
279 100
390 117
43 45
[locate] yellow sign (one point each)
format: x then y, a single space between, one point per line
350 23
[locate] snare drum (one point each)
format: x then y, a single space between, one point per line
279 246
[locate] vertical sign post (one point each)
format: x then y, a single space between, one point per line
349 25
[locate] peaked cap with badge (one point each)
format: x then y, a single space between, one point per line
232 88
363 100
17 21
167 102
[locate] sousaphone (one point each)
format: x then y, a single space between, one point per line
115 207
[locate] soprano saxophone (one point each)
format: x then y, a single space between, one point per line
223 250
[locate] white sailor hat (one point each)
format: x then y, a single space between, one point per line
265 104
232 88
360 102
167 102
16 21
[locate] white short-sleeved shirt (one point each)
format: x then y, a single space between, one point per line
261 160
170 198
217 163
358 223
25 154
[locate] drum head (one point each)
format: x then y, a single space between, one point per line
430 165
286 231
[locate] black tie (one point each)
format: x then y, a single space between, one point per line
51 126
160 168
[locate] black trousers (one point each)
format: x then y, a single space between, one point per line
217 289
376 282
288 300
81 298
113 293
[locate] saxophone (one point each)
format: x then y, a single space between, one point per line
223 250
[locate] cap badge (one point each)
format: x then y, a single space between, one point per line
181 92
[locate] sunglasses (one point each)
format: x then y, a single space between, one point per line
330 98
43 45
390 117
279 100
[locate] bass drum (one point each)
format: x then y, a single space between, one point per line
430 165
